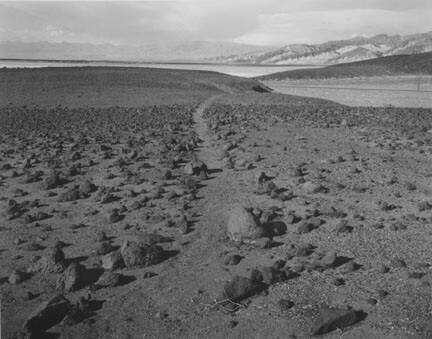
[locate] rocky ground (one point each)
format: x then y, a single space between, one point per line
242 216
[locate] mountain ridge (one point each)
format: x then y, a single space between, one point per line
340 51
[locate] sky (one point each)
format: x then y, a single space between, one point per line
257 22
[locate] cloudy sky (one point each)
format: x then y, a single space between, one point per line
262 22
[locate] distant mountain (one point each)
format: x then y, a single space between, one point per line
390 65
190 51
336 52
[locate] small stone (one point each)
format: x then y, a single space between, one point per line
372 301
305 227
338 281
398 263
114 216
233 259
384 269
285 304
329 259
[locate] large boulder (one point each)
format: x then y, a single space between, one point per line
73 278
243 225
331 319
140 254
240 288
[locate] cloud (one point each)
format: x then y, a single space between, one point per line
320 26
268 22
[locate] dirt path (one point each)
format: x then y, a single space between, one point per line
206 152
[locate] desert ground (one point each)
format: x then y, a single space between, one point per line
180 204
400 91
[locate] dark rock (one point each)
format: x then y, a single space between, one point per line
240 288
331 319
285 304
141 255
233 259
109 279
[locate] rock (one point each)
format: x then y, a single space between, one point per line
112 261
285 304
70 195
141 255
47 314
329 259
240 288
195 167
243 225
114 216
424 206
73 278
188 169
350 266
233 259
343 227
17 277
305 227
109 279
263 242
52 262
182 223
52 181
331 319
398 263
86 188
104 247
271 275
312 188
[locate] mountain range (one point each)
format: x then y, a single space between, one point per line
194 51
336 52
328 53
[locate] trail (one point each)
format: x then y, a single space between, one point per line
206 153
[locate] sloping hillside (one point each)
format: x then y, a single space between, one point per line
391 65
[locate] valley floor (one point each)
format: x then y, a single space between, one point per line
399 91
